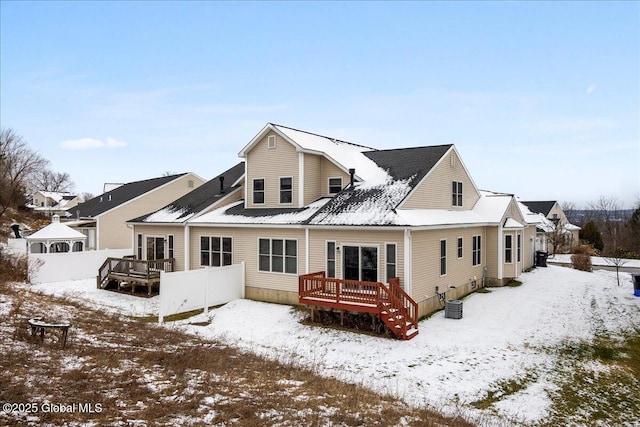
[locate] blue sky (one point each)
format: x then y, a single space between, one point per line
542 99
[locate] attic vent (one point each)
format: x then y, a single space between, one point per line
453 161
271 142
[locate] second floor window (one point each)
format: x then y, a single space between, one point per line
335 185
258 191
286 190
456 199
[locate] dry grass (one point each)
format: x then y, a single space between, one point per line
130 372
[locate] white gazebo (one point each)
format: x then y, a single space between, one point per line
56 237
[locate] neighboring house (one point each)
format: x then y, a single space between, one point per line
103 218
307 203
51 203
567 234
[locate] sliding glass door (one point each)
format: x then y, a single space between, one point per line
360 263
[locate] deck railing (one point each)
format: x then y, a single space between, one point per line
394 306
130 267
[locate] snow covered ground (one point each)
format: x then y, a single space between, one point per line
504 335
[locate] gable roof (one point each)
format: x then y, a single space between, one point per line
118 196
345 155
543 207
371 203
198 200
56 231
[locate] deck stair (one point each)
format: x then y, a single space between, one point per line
391 303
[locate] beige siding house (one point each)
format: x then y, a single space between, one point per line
302 203
552 226
103 219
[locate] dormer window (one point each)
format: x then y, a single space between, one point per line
335 185
456 198
286 190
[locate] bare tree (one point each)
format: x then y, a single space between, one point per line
617 260
606 211
86 196
570 211
47 180
18 165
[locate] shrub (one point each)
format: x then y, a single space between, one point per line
13 267
584 250
581 262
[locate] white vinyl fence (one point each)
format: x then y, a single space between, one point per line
58 267
184 291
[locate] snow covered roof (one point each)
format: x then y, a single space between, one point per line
375 209
542 223
57 196
543 207
236 213
345 155
198 200
56 231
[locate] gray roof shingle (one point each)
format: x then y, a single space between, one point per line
114 198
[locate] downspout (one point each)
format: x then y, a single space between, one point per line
500 254
98 235
408 273
187 247
306 250
300 179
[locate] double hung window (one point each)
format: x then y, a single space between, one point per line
286 190
258 191
456 194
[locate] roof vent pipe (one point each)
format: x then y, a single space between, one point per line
222 184
352 173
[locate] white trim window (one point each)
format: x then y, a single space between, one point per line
476 254
216 251
170 243
519 247
508 248
331 259
258 191
278 256
139 246
456 195
286 190
391 253
460 248
443 257
335 185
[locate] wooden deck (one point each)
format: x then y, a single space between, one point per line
130 273
390 303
